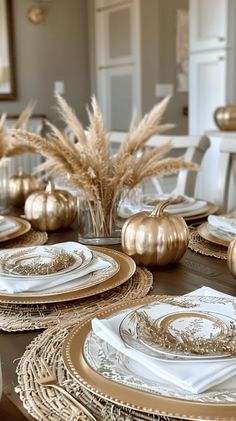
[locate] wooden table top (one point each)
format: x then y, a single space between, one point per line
192 272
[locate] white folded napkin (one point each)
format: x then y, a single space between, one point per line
223 223
194 377
7 225
78 276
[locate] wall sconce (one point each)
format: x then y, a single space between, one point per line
38 12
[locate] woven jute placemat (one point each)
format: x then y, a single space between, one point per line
31 238
14 317
202 246
46 403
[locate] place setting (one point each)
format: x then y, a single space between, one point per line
40 285
162 356
219 229
213 236
189 208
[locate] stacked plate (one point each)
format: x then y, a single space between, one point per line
60 272
12 227
119 361
218 229
187 207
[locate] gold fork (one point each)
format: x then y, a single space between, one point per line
44 376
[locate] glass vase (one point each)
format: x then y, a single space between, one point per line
4 185
94 227
131 201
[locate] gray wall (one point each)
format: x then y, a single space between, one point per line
150 51
56 49
59 49
158 27
168 67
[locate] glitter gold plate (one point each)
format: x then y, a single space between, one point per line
22 227
204 231
131 397
126 268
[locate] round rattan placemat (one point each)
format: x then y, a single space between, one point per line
31 238
46 403
202 246
41 316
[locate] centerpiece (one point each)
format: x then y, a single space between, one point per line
84 162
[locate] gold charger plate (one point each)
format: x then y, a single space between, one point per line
24 226
204 232
211 208
126 269
79 369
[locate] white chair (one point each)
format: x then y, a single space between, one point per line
190 148
27 161
226 182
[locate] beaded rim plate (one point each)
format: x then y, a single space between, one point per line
205 323
205 232
79 368
82 256
126 268
21 228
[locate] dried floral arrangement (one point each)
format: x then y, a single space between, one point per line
87 164
10 145
148 329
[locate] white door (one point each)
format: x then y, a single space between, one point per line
208 89
117 32
210 24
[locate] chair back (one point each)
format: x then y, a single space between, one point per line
225 188
189 148
27 161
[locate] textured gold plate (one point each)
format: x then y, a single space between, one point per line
24 226
125 396
127 268
204 232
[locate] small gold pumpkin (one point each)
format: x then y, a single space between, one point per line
231 257
155 238
21 186
225 117
51 209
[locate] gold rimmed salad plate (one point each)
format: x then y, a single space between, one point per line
111 375
125 268
19 227
31 262
214 235
197 324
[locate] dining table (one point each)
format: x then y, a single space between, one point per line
190 273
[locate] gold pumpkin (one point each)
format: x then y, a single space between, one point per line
231 258
225 117
21 186
51 209
155 238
